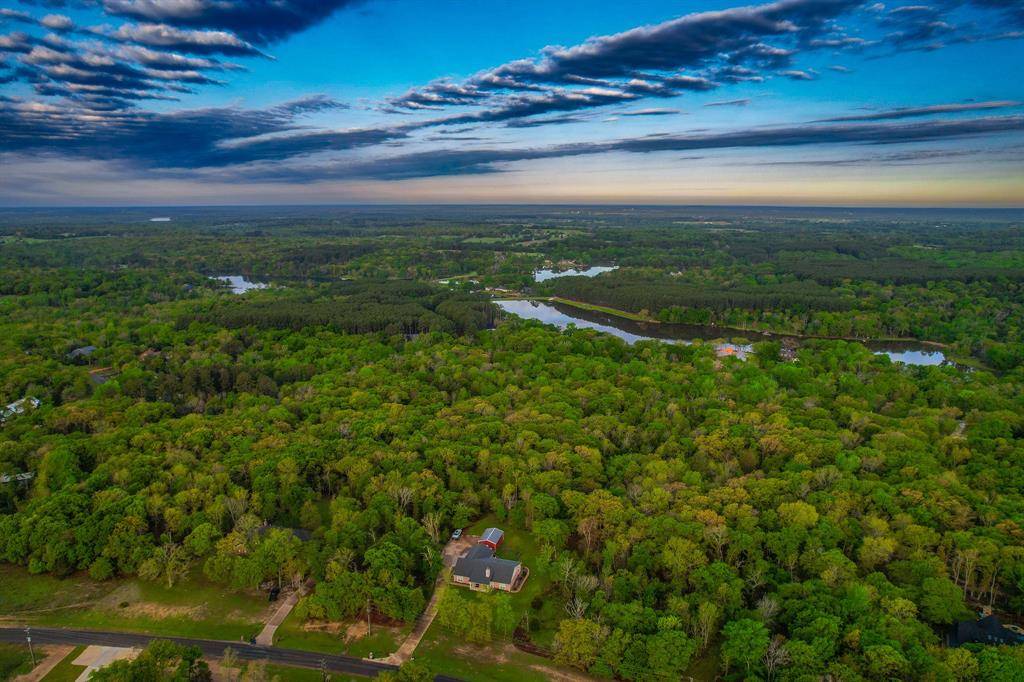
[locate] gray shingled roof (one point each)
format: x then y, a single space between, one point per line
478 559
84 351
987 630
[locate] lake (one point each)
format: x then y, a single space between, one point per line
239 284
906 352
593 271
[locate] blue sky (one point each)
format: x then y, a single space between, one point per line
839 102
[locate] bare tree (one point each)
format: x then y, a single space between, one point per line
707 620
776 656
767 608
404 496
718 536
576 606
236 505
567 569
432 523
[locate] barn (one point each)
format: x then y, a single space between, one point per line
492 537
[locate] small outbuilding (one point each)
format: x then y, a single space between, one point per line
492 537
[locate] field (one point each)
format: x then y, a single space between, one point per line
193 608
381 641
14 660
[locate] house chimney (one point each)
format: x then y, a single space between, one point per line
487 572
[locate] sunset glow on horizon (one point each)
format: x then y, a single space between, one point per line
817 102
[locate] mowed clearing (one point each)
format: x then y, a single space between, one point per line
192 608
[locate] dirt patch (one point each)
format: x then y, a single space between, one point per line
324 626
128 592
560 675
501 655
162 611
489 654
356 631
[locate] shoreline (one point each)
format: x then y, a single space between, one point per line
635 317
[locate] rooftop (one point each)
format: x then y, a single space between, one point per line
478 559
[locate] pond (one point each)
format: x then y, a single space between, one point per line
239 284
906 352
593 271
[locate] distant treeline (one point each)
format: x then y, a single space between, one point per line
628 292
828 270
366 307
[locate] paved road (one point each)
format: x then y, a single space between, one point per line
210 647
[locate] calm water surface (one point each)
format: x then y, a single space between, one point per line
562 316
239 284
594 271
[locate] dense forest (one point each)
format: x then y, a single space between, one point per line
826 516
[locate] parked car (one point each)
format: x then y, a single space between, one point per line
457 534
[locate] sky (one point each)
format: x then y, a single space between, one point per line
795 102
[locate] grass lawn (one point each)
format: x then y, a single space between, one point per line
65 670
194 607
380 642
283 672
499 662
521 545
14 660
603 309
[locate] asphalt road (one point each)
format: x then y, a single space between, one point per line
211 648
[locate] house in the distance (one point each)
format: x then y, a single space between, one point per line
82 353
480 569
18 407
986 630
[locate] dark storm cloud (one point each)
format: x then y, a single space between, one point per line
186 139
1011 10
729 103
90 72
438 94
549 121
692 53
93 73
910 158
483 161
16 42
690 42
703 51
553 101
917 25
797 75
659 111
181 40
13 15
257 21
51 22
913 112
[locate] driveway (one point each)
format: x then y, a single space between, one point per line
266 636
449 555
